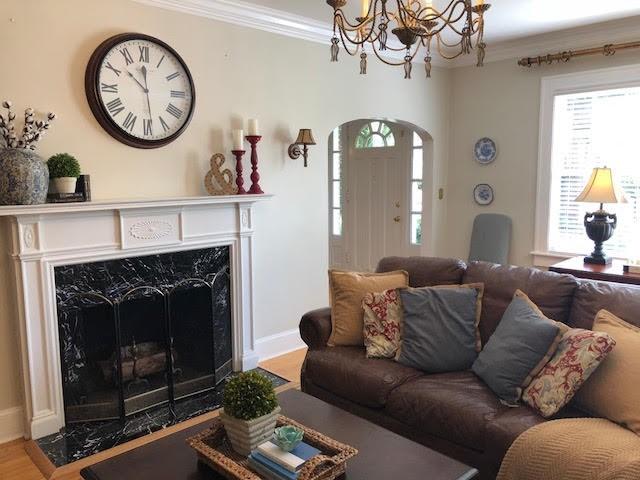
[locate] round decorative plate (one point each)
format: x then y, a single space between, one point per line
483 194
485 151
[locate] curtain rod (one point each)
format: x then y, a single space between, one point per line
607 50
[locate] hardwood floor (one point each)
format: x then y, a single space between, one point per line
15 463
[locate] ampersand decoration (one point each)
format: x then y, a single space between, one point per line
224 183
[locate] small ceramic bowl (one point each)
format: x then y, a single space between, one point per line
287 437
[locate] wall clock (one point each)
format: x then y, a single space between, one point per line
140 90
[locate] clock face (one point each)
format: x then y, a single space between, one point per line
140 90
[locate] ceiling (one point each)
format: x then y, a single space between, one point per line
507 20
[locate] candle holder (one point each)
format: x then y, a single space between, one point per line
239 180
255 176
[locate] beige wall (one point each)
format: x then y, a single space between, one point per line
500 101
239 73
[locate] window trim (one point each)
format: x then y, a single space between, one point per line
369 123
587 81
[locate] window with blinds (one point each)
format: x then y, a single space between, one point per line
595 129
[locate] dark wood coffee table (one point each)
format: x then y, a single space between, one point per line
383 455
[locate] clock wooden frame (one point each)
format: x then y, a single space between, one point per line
92 90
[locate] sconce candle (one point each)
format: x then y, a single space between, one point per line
253 127
238 140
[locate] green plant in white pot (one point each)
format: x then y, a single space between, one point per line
250 411
64 171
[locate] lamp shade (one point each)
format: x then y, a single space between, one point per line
601 188
305 137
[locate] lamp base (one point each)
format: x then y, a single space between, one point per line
597 260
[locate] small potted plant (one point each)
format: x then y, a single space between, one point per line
64 171
250 410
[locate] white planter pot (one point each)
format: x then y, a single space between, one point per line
246 435
64 184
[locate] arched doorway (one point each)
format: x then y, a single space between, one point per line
378 197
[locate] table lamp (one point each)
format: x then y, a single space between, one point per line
600 225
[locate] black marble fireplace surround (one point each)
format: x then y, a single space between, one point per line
168 315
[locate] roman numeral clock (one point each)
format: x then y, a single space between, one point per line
140 90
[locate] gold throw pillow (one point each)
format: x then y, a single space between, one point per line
347 290
613 391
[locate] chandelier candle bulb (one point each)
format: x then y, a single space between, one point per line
365 9
253 127
238 140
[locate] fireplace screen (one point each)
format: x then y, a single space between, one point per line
142 332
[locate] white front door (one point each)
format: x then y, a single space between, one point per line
376 186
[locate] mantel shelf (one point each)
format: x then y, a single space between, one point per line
127 204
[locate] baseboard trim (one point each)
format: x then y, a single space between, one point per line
278 344
11 424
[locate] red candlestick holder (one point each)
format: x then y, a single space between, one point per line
255 176
239 180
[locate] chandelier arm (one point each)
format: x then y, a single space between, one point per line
446 56
449 45
346 46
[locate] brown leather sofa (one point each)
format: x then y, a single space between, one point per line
454 413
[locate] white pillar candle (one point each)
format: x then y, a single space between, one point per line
253 127
238 140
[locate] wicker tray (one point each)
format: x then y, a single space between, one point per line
215 451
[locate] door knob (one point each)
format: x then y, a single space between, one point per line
396 219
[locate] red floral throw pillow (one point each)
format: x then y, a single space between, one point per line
382 321
579 354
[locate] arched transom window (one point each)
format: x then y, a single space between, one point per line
375 135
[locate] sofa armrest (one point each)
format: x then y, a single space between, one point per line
315 328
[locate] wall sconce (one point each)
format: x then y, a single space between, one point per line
305 138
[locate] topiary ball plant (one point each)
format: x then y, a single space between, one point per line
63 165
249 395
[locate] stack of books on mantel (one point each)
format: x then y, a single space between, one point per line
273 463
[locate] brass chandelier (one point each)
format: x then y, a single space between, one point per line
417 24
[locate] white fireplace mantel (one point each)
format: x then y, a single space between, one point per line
46 236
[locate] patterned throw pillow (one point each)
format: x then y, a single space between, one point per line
382 319
580 352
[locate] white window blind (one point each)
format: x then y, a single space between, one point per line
595 129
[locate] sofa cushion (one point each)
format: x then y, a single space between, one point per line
591 297
523 343
579 354
613 390
426 271
440 327
382 323
453 406
507 425
551 292
347 290
348 373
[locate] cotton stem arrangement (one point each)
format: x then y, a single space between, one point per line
32 132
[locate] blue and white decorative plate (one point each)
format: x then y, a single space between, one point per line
483 194
485 151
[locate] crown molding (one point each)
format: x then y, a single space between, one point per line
250 15
280 22
246 14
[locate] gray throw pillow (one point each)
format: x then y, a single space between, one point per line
439 327
522 344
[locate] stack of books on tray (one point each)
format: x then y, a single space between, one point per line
273 463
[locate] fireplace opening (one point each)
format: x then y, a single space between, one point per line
144 332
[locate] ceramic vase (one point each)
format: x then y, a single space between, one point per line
246 435
24 177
